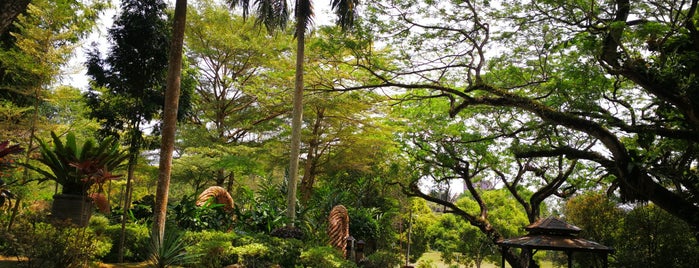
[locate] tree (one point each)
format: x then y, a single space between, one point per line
459 241
240 91
127 92
600 220
274 13
10 10
654 238
34 49
642 234
172 94
444 150
615 78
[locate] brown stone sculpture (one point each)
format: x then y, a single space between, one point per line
222 197
338 228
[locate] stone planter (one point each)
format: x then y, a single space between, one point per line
75 209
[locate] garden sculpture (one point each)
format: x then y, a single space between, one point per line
222 197
338 228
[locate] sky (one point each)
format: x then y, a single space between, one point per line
74 72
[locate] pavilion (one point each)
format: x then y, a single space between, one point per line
554 234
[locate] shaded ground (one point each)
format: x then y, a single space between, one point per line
11 262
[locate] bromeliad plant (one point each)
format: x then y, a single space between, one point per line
77 167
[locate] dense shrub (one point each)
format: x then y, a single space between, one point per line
215 248
382 259
324 257
136 242
46 245
188 216
285 251
219 249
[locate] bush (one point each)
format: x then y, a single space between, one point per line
98 224
324 257
215 248
137 238
46 245
285 251
188 216
426 264
220 249
382 259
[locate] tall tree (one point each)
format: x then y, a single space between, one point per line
241 85
39 43
128 89
618 78
172 95
274 13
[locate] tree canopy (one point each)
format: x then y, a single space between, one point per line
527 104
610 84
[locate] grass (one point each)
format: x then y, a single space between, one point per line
437 262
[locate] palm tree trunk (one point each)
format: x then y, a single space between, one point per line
172 95
296 120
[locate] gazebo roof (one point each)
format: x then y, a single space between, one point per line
555 242
552 225
554 234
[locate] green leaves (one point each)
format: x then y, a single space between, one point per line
78 166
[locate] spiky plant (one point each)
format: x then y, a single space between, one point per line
76 166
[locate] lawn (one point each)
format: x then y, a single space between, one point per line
436 260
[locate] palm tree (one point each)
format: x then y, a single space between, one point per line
273 14
172 95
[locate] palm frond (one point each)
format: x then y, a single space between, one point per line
273 14
243 4
304 14
346 11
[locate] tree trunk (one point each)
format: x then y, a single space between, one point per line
309 171
127 204
296 120
9 9
172 95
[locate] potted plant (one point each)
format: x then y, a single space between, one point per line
77 168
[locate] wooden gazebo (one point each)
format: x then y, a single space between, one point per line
554 234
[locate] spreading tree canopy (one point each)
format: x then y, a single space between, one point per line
608 83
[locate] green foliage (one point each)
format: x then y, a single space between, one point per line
382 258
137 239
261 211
598 216
323 256
425 264
98 224
46 245
459 242
170 250
504 212
417 221
220 249
651 237
210 216
214 247
77 167
644 236
39 43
